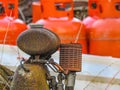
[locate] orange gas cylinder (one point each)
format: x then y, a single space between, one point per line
105 37
57 15
10 29
10 26
103 27
104 8
67 30
9 8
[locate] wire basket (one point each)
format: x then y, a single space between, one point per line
71 56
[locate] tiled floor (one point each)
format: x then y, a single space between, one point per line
96 73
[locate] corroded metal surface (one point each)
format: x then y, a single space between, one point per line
71 57
38 41
35 79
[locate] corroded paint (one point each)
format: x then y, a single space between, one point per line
38 41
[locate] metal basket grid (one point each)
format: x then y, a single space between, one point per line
71 56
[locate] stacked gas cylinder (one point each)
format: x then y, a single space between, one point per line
10 25
103 27
99 35
57 15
